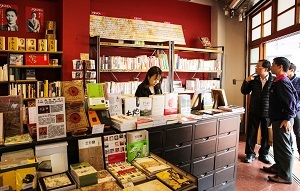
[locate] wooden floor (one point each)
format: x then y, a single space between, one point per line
251 178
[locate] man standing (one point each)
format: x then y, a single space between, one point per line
258 85
33 25
296 83
283 105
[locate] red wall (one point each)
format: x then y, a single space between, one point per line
72 17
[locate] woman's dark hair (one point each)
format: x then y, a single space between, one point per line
282 61
154 70
11 9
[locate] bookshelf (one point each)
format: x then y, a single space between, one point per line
168 49
26 69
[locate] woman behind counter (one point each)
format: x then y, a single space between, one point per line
151 84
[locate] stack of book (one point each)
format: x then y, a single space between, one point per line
232 108
152 185
150 165
158 120
124 172
84 174
144 122
123 122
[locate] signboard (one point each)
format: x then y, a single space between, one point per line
135 30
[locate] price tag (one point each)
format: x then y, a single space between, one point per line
97 128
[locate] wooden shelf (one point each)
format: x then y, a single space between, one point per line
3 82
30 52
23 81
28 99
158 47
34 66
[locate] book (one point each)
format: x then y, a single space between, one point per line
145 106
16 59
30 44
144 122
184 104
131 106
11 107
26 179
174 179
84 174
90 150
105 186
124 172
233 108
8 180
153 185
158 103
19 154
104 176
115 148
137 144
52 158
57 182
18 139
115 103
30 74
171 100
1 129
150 165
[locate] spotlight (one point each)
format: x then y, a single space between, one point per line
231 13
240 17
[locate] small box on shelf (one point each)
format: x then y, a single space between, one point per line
30 44
2 43
37 59
42 45
13 43
21 44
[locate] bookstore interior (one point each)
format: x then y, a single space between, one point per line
92 133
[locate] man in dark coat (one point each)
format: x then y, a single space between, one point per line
258 86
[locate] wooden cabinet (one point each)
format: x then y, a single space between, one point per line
206 149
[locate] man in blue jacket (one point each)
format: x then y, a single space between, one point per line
283 106
258 85
296 83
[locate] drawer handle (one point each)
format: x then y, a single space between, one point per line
203 175
179 164
179 145
205 139
228 133
204 156
224 183
227 150
225 166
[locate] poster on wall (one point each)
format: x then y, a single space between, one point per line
8 17
51 118
34 19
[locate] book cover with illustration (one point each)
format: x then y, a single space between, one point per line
115 148
61 181
90 150
158 104
171 103
145 106
137 144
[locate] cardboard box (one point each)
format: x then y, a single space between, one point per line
2 43
42 45
30 44
52 45
50 25
13 43
36 59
